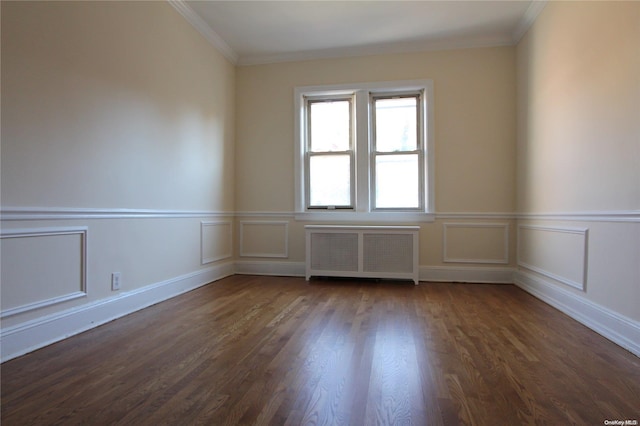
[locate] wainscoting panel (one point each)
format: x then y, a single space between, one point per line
264 239
559 253
42 267
26 337
476 243
216 239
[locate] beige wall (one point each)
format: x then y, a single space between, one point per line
578 73
123 105
110 106
474 94
579 109
474 91
113 104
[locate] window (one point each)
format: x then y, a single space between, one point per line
365 150
397 167
330 155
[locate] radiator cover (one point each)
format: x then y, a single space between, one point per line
362 251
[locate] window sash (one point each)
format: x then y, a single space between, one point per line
309 153
419 150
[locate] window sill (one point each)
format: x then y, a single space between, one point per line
368 217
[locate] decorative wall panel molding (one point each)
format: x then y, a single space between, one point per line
264 238
45 266
475 242
29 336
559 253
216 241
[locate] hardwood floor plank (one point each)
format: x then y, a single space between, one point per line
276 351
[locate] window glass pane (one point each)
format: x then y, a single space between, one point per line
397 181
330 180
330 130
396 127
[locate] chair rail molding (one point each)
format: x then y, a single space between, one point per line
71 213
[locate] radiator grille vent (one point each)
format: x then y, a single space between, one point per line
362 251
337 252
388 253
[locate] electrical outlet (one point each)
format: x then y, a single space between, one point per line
115 281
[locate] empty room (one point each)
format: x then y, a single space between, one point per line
320 212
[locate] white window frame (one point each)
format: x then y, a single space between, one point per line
362 94
308 99
374 153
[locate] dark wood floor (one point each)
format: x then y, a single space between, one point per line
267 350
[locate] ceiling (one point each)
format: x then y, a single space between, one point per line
252 32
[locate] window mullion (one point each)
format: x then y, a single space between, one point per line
362 181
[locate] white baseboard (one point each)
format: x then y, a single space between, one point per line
615 327
276 268
468 274
35 334
494 275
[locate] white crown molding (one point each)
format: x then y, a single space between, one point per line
203 28
528 19
64 213
392 48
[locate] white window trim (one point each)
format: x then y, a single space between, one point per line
374 153
362 211
352 144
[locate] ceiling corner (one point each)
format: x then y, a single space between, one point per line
528 19
203 28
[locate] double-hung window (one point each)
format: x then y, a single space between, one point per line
365 150
397 166
330 153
